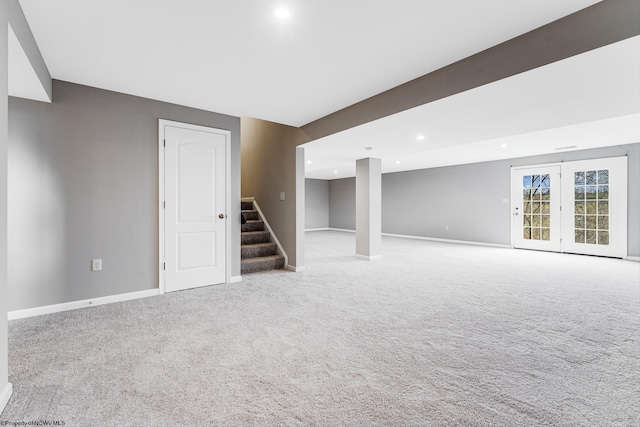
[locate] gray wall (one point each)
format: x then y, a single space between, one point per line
342 204
423 202
316 204
83 184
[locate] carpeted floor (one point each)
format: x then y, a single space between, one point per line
432 334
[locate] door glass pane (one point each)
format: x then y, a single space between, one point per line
603 237
603 192
592 186
535 233
603 208
603 222
536 209
603 177
536 220
545 221
545 208
546 234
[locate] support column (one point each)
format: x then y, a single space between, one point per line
368 208
300 214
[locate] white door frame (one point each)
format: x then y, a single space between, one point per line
556 197
161 199
622 215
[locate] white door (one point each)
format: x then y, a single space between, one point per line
576 207
195 211
536 208
595 207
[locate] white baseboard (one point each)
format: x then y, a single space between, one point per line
431 239
296 269
342 230
235 279
368 258
5 395
459 242
318 229
634 258
73 305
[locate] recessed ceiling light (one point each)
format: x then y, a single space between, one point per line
397 162
335 171
503 146
282 13
309 162
420 137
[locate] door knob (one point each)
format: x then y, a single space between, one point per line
221 216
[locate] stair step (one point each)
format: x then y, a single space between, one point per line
254 265
258 250
254 237
253 226
250 215
246 206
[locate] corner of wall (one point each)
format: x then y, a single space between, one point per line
270 156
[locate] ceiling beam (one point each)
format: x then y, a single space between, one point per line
599 25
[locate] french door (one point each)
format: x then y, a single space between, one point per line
536 210
577 207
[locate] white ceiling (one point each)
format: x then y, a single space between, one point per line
22 79
235 57
586 101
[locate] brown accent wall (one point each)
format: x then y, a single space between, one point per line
268 152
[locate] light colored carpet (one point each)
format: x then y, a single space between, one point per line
432 334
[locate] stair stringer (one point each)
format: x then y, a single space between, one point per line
274 238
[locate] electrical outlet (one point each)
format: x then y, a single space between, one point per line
282 196
96 264
446 227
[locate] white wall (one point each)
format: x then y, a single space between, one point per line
4 372
11 14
